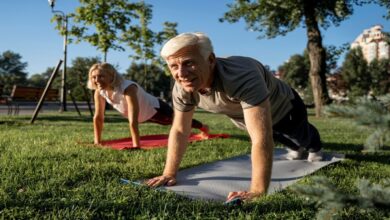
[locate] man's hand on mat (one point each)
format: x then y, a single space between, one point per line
161 180
242 195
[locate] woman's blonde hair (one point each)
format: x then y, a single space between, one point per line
108 69
188 39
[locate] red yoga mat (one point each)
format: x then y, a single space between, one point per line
154 141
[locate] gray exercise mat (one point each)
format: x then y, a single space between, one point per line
213 181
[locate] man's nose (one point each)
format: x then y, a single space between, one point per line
182 72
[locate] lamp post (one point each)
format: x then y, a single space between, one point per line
64 18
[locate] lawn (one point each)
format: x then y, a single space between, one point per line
47 171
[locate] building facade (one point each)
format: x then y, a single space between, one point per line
373 43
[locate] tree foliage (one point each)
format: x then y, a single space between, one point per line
139 37
333 54
155 80
114 24
355 73
40 80
379 71
386 4
143 41
331 202
295 71
78 76
279 17
12 70
368 112
101 22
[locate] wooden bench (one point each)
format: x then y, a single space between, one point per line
23 94
3 99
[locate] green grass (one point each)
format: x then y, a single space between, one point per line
46 172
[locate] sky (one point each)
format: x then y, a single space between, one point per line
26 29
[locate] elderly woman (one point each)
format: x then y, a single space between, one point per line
130 99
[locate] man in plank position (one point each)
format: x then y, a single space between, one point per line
242 89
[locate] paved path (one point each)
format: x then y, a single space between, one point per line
29 108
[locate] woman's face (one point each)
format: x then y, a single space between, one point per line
101 79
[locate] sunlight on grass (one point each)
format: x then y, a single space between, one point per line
47 171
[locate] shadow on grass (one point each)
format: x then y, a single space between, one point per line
67 118
240 137
371 157
382 156
342 147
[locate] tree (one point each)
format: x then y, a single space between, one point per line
36 80
101 22
143 41
12 70
337 86
139 37
333 54
332 202
295 72
111 24
156 80
355 73
278 17
371 113
78 77
380 76
386 4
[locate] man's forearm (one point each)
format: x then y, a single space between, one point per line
261 157
177 145
259 126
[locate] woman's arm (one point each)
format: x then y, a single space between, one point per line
98 118
132 113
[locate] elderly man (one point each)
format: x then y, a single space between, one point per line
242 89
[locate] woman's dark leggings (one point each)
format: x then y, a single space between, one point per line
164 116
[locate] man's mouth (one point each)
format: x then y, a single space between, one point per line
187 82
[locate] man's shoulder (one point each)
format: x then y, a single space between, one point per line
238 64
237 68
236 58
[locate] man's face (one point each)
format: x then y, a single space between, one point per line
190 69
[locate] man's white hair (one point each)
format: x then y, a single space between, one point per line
188 39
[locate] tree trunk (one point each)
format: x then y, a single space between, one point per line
105 56
317 58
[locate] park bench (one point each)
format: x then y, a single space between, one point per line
25 95
3 98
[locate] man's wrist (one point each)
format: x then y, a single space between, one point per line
258 192
169 174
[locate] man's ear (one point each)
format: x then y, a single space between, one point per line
212 59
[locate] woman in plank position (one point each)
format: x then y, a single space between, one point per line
130 99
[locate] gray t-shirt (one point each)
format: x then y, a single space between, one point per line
239 83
